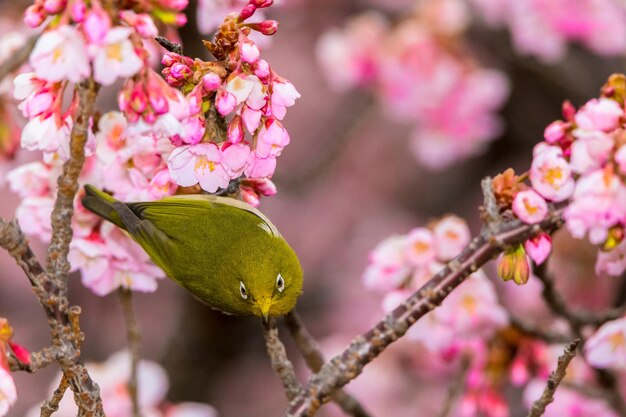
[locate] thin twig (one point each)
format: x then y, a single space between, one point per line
169 45
38 360
490 204
314 359
52 405
278 357
456 389
538 333
346 366
539 406
18 58
134 342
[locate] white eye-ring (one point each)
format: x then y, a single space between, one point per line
242 291
280 283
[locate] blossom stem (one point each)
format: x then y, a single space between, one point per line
52 405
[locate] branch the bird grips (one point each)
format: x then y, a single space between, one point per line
225 252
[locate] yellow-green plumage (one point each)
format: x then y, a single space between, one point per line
212 246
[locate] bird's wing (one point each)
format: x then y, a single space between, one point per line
199 201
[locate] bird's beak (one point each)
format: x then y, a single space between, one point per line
264 306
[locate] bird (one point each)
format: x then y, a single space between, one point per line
225 252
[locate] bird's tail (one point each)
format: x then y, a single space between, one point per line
101 204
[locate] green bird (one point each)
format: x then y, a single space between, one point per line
225 252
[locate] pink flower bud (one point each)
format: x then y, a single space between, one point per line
514 265
142 22
180 71
235 130
181 19
97 24
539 247
78 11
249 51
246 12
262 69
54 6
250 196
21 353
555 132
262 3
170 58
568 110
267 27
158 102
138 101
176 4
211 81
530 207
225 102
34 16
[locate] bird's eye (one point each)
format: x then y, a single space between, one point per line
280 283
242 291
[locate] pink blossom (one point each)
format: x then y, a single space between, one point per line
141 22
538 248
33 214
273 137
598 203
612 262
590 151
249 51
599 114
451 236
26 84
201 163
235 130
47 134
235 159
30 180
60 54
420 246
225 102
240 86
258 97
550 174
259 167
161 185
8 393
555 132
387 268
114 56
607 347
530 207
251 118
112 260
96 25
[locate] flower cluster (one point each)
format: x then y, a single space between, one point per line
421 77
582 164
8 393
134 163
152 382
401 264
543 28
242 90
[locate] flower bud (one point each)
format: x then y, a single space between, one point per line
514 265
211 81
235 130
54 6
246 12
78 11
262 3
34 16
267 27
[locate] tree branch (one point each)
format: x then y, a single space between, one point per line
280 363
51 406
134 342
18 58
364 348
314 359
539 406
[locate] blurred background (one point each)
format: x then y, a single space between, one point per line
352 176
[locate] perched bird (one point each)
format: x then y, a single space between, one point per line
225 252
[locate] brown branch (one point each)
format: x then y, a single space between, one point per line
278 357
38 360
456 389
50 286
52 405
538 333
539 406
18 58
134 342
490 205
346 366
169 45
314 359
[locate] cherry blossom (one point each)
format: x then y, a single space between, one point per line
530 207
607 347
60 54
